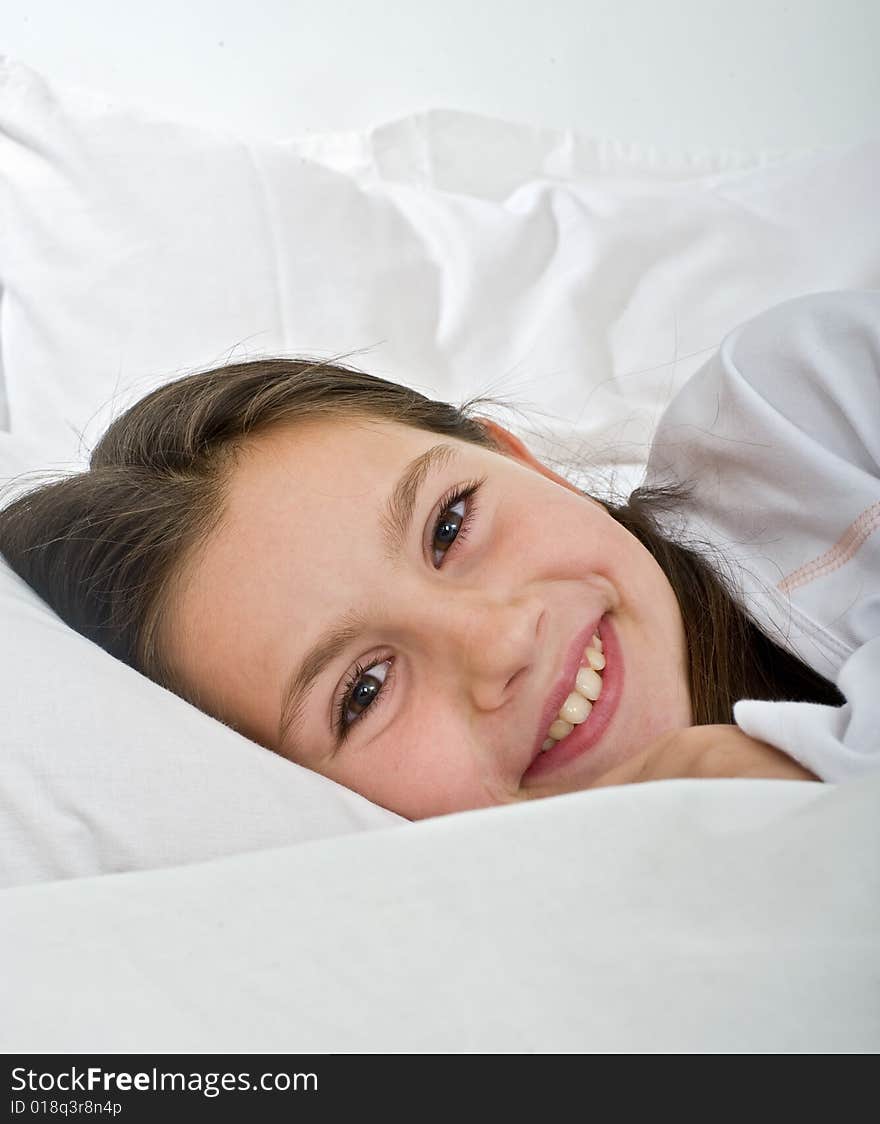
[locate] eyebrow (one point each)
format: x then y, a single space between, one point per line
395 522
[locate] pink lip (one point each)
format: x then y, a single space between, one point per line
586 735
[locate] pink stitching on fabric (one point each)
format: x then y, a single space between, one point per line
841 552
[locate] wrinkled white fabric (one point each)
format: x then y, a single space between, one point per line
697 916
582 280
781 433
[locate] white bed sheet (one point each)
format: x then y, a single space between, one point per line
698 916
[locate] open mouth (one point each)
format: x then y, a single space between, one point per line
598 681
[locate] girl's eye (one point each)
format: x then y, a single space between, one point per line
365 684
450 532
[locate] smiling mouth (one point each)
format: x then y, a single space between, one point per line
587 733
585 691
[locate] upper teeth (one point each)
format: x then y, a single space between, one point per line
577 707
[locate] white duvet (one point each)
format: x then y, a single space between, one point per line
681 916
172 886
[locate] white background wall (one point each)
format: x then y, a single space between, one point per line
743 74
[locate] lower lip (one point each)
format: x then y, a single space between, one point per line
590 732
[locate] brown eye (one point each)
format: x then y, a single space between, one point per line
449 524
456 514
362 688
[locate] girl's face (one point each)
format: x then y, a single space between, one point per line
406 612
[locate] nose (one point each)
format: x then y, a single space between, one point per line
481 641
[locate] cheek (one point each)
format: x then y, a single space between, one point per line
582 533
426 767
556 523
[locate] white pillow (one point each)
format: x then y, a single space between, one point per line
583 279
104 771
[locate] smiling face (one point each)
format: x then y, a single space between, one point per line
452 640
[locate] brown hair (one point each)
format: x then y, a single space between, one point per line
104 547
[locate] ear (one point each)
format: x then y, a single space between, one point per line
511 446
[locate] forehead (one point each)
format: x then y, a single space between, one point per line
289 488
274 475
325 450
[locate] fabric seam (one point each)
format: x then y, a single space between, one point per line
843 550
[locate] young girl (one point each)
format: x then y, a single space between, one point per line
394 592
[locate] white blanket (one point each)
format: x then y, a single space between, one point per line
695 916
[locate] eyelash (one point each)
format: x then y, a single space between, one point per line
455 495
